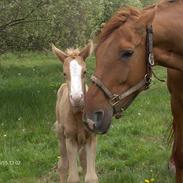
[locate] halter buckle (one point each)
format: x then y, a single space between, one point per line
114 100
147 81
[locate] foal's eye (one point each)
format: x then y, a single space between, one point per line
84 72
125 55
64 74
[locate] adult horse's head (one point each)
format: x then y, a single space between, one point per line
121 69
74 69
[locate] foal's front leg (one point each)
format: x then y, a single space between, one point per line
91 176
63 162
82 158
72 152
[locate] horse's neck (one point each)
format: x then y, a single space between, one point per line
168 35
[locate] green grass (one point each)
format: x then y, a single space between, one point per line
134 149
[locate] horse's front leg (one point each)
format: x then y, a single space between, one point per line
171 164
177 108
72 152
91 176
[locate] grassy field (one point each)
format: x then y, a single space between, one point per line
135 148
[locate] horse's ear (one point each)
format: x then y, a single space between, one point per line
60 54
88 50
145 19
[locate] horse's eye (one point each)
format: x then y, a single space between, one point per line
125 55
84 72
64 74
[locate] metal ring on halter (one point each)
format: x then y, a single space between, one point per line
151 59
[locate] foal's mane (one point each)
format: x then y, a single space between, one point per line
72 52
118 19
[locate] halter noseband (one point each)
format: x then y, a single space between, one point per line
114 99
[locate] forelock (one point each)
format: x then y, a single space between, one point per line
119 18
72 52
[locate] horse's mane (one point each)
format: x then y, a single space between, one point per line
73 52
118 19
150 7
121 16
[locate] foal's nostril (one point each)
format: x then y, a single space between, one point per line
77 99
82 96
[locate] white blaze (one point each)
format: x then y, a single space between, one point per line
76 83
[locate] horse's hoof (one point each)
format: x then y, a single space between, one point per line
171 167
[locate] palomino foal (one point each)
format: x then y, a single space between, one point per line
73 136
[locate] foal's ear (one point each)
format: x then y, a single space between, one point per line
87 51
60 54
145 19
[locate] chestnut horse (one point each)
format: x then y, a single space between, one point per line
74 138
130 43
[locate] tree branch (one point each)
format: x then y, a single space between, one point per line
29 21
22 20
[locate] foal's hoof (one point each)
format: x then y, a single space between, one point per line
73 180
171 167
92 181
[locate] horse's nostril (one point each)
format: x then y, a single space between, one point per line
97 122
98 116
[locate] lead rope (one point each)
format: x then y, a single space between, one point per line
150 56
155 76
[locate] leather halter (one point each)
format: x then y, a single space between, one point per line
115 99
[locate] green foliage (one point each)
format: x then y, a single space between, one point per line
134 149
34 24
148 2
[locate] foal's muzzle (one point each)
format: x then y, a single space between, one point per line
77 101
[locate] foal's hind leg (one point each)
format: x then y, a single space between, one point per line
63 162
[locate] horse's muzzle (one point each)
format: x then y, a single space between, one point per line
98 121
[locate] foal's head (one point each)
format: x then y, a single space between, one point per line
120 64
74 69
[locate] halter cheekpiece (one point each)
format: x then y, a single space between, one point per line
115 99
